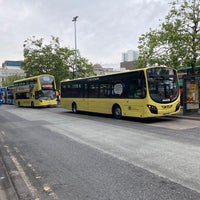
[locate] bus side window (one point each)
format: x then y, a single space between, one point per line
136 89
81 90
131 91
131 88
38 94
93 90
85 90
104 90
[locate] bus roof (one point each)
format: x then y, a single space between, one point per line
112 74
32 77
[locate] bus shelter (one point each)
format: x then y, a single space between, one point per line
191 94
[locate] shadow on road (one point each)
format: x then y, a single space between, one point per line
90 115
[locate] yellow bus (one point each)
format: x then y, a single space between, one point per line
143 93
35 91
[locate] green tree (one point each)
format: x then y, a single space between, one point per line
177 42
41 58
10 79
85 69
149 52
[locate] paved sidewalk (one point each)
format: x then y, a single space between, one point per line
192 116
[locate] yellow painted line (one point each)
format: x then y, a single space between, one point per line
49 191
38 177
31 166
31 188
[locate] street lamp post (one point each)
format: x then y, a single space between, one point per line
74 20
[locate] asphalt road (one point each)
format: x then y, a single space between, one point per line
55 154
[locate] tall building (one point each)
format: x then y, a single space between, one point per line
130 55
129 60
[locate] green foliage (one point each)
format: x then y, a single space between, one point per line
10 79
198 62
177 43
85 69
41 58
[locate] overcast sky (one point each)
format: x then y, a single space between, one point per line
105 28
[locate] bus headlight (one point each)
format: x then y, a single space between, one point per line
153 109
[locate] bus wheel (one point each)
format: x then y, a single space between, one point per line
117 112
32 104
74 108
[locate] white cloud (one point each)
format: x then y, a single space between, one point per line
105 29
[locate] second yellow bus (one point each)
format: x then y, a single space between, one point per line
37 91
147 92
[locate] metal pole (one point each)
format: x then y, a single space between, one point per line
74 20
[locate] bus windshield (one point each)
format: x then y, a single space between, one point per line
163 84
47 88
47 82
45 94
